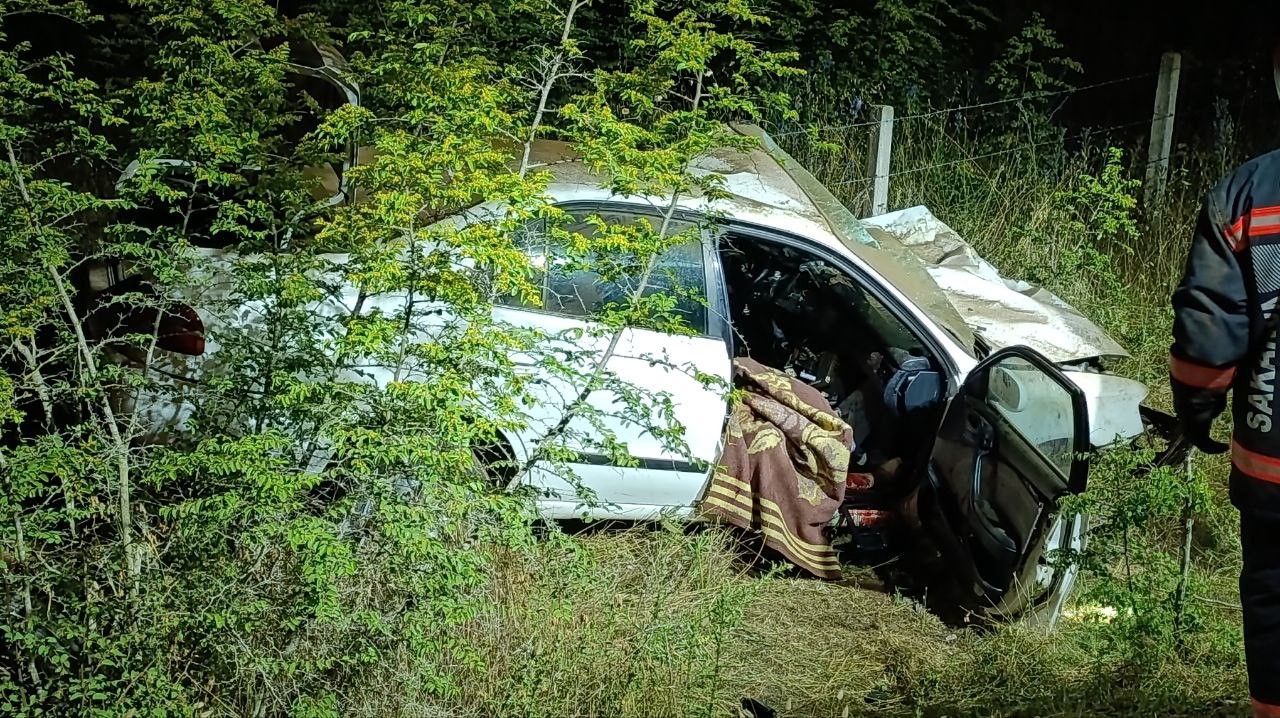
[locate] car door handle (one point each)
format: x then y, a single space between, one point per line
991 536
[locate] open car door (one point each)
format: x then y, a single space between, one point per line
1012 443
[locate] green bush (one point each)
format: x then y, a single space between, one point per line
304 527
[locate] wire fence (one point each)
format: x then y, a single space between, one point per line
1008 151
860 168
1067 92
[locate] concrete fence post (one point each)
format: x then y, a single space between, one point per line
1162 118
878 159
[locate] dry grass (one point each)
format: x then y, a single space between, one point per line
665 623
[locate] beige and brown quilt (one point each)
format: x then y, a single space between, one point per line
784 465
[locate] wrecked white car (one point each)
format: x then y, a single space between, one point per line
984 395
975 399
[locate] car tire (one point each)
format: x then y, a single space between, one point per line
494 463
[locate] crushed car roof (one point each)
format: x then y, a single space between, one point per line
766 186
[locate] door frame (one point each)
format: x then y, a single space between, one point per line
868 281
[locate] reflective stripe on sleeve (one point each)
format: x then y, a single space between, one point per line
1255 465
1257 223
1200 376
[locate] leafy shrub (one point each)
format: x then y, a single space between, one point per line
313 512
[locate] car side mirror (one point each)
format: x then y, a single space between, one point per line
914 387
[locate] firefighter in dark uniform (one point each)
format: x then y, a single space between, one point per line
1224 332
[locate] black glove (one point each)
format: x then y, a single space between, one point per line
1196 412
1198 435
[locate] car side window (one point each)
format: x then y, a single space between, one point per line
1037 407
573 290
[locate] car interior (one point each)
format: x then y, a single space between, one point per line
794 311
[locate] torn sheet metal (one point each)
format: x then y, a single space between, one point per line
1004 311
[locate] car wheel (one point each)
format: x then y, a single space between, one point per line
494 463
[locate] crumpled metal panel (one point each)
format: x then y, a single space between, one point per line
1003 311
884 254
1113 403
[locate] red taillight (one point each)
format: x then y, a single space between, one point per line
179 328
181 331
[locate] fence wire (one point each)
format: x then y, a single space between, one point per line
1009 151
976 106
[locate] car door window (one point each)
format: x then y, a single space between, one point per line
1037 407
573 288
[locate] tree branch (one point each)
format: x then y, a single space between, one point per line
119 443
550 76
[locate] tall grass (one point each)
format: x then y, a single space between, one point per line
667 623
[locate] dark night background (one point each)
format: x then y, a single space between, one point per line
1226 47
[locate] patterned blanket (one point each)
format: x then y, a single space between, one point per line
784 466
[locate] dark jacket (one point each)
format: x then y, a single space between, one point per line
1224 330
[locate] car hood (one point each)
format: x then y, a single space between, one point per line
1003 311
